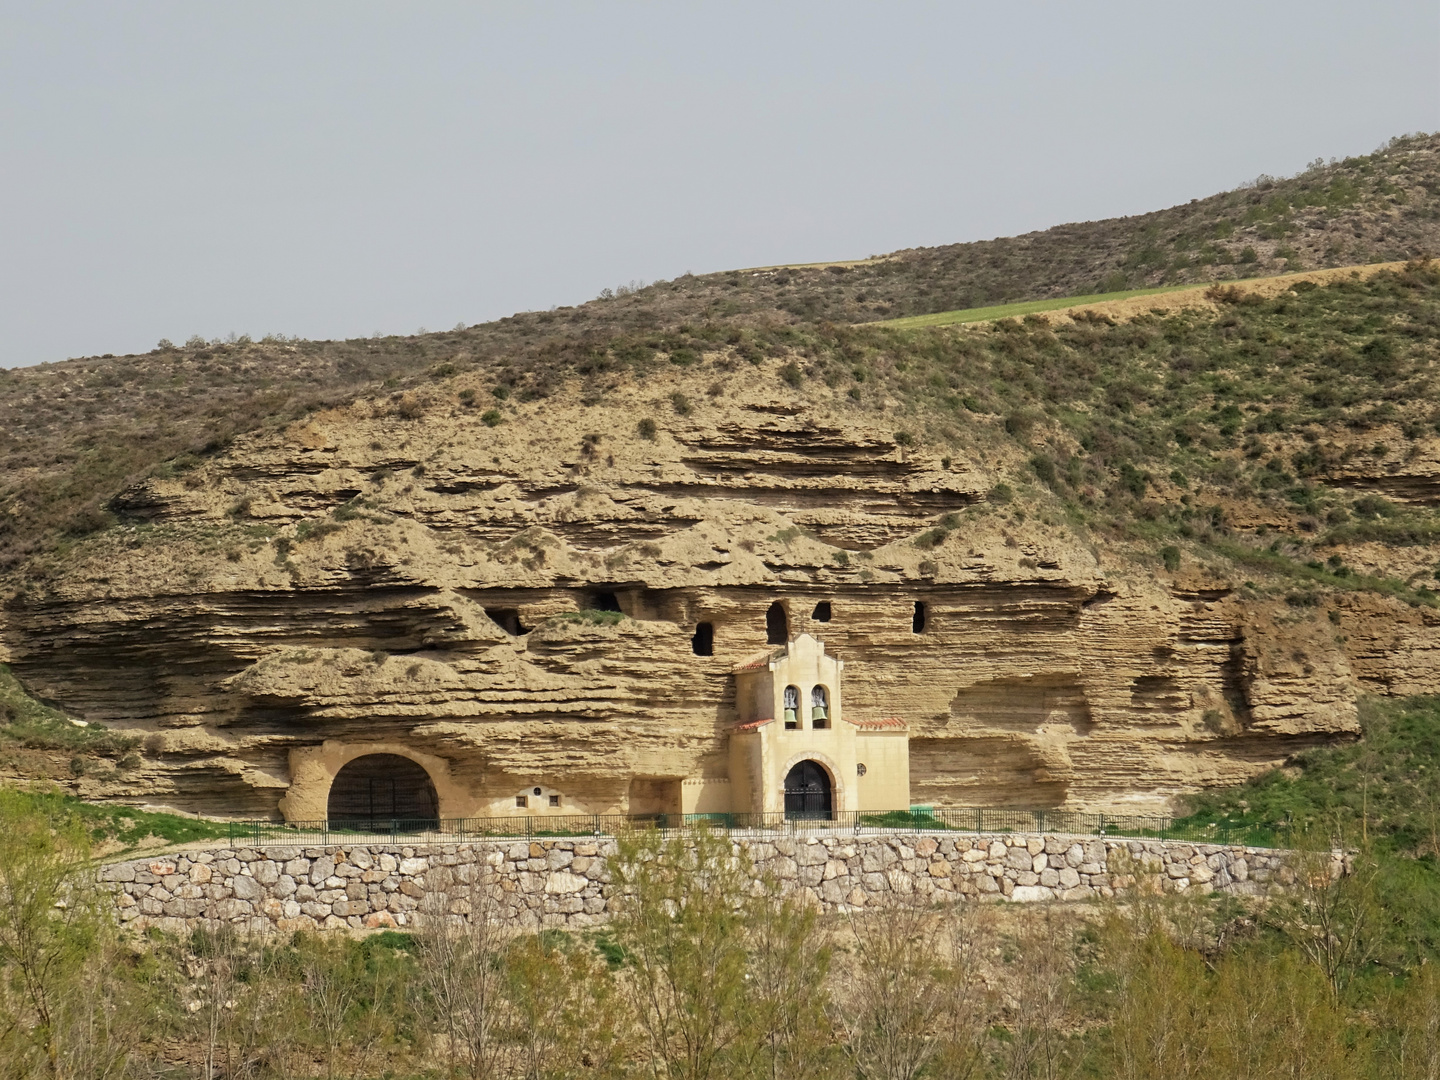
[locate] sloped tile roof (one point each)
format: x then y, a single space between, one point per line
759 662
752 725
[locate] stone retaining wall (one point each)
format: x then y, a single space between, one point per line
567 883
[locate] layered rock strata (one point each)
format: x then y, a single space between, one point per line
430 584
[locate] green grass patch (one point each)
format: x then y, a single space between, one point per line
1276 563
27 722
1025 307
119 824
1383 786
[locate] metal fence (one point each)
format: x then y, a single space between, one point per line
974 819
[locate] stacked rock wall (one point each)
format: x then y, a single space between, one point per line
568 883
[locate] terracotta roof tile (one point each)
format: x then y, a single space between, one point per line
752 725
759 662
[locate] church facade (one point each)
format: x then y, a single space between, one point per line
793 751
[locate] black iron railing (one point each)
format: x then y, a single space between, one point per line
977 819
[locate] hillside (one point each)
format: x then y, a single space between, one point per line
72 434
1096 558
1154 555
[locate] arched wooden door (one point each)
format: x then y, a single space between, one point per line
807 793
383 790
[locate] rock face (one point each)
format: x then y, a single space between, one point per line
568 883
402 574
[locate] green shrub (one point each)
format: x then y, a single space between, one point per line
646 428
491 417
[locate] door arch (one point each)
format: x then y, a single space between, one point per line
808 793
378 789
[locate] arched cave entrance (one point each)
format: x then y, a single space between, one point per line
807 793
777 625
378 789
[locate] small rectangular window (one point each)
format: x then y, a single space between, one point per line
554 800
521 800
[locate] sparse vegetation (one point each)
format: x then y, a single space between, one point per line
75 435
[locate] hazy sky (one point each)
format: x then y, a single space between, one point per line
333 169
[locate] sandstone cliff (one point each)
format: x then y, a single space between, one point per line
368 574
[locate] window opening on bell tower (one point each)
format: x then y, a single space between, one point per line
819 708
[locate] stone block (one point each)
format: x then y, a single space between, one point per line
1019 859
1050 877
833 891
1069 877
817 855
1029 894
563 883
412 866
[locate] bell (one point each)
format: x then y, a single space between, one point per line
818 713
789 716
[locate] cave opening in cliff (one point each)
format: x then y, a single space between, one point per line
383 791
917 622
703 643
777 625
508 619
603 601
821 612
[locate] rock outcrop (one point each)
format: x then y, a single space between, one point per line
402 572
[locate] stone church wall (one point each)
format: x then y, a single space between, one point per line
568 883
